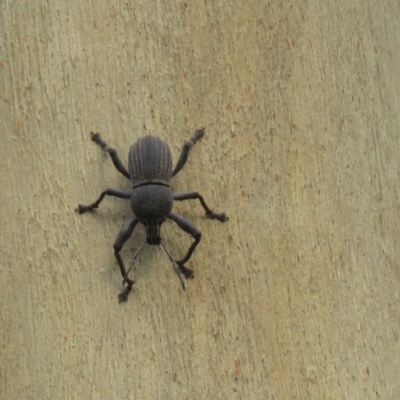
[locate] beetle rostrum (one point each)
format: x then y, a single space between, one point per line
150 171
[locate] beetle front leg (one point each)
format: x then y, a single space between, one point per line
195 195
112 152
185 150
122 194
191 229
123 235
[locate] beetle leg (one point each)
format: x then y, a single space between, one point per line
123 235
122 194
191 229
194 195
185 150
112 152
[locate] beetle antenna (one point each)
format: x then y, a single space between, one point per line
134 259
173 266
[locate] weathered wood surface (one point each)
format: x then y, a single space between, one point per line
297 296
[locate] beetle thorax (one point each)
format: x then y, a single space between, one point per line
152 204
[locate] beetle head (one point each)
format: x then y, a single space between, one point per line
153 226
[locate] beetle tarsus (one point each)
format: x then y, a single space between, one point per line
198 135
82 208
219 216
123 296
96 137
187 272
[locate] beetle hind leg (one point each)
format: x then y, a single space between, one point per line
186 149
112 152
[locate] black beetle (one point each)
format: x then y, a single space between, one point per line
150 170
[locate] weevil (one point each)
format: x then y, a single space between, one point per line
150 172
